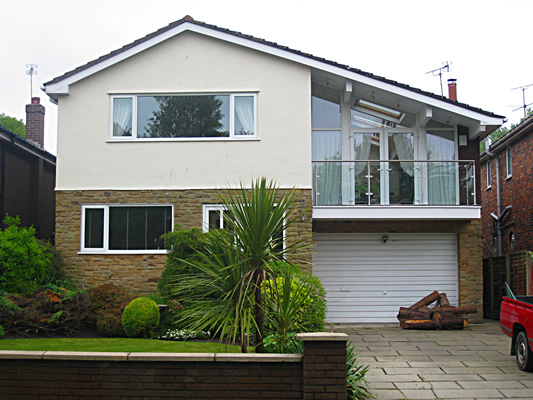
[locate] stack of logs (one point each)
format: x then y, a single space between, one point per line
441 316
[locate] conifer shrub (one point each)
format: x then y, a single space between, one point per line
183 246
107 302
140 318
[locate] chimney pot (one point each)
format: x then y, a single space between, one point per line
35 100
452 89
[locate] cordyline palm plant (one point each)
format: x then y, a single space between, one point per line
227 282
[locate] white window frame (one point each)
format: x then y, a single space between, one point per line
105 248
220 207
489 173
508 162
133 137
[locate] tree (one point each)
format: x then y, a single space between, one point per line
13 124
502 131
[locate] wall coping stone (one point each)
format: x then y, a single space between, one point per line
322 336
176 357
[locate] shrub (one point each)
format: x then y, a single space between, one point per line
183 246
44 313
24 261
355 376
290 346
107 302
141 318
2 332
310 310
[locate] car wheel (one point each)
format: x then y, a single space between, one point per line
524 358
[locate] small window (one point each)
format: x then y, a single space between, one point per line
509 162
183 116
213 218
511 240
125 229
489 173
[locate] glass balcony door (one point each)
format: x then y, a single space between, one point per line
382 170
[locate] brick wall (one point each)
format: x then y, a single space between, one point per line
516 191
469 258
319 374
139 273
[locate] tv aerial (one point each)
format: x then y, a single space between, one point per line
32 70
439 71
524 106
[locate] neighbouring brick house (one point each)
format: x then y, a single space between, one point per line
27 175
389 173
507 204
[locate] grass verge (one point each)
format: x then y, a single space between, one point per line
116 345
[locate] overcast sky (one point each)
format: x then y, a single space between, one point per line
487 41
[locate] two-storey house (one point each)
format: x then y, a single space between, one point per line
389 173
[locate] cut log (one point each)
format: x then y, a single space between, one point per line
443 301
453 323
430 324
430 298
427 324
459 310
407 313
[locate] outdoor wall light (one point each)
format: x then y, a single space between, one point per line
384 238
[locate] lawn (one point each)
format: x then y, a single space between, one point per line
116 345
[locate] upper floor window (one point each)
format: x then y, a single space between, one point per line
125 229
489 173
183 116
508 162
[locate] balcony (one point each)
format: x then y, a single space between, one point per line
394 189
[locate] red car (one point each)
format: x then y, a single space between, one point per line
516 321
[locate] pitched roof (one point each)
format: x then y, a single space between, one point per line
29 147
189 19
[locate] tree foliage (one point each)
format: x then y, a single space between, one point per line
13 124
502 131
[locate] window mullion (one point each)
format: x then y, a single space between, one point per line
232 116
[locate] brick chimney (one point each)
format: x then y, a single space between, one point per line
35 122
452 89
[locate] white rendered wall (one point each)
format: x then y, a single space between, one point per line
188 63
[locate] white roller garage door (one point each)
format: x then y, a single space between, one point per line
367 281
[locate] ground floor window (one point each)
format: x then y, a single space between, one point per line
125 228
214 218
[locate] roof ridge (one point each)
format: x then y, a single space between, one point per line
189 19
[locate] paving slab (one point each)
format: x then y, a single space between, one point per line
470 364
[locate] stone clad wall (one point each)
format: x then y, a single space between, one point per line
139 273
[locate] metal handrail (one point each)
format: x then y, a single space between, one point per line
466 180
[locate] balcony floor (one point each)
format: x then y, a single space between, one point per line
391 212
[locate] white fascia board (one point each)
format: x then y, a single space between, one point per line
61 88
387 213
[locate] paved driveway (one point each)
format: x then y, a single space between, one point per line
470 364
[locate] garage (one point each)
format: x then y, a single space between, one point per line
369 276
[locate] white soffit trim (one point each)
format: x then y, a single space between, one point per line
61 87
397 213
